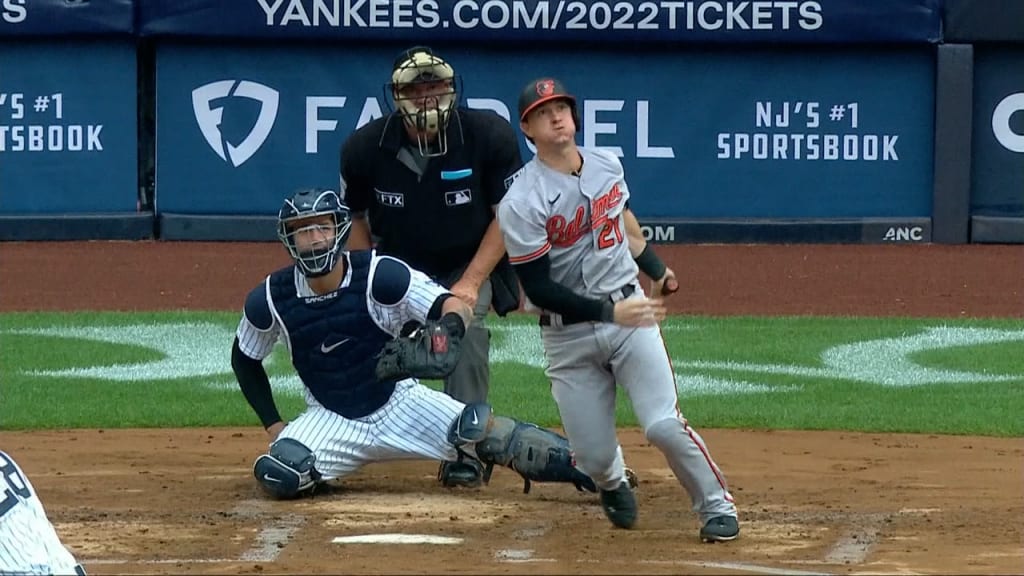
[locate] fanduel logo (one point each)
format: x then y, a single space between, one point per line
209 118
1004 133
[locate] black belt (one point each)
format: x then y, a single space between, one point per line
624 292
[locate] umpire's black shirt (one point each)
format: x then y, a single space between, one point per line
432 214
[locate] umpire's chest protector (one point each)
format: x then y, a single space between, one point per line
434 216
334 341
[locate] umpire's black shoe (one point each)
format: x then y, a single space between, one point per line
620 506
463 473
720 529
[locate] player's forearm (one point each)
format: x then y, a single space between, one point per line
487 256
633 233
252 379
552 296
642 252
359 234
458 307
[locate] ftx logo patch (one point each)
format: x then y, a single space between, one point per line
209 117
391 199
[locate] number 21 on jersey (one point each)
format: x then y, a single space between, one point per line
610 234
16 485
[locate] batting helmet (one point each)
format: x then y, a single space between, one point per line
424 88
543 90
308 203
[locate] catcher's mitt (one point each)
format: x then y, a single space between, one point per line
430 351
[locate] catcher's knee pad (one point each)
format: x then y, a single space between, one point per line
471 425
287 470
533 452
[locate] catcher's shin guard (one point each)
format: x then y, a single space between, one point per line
469 426
535 453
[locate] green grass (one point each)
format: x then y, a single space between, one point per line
951 376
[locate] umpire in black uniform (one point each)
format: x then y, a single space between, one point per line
423 184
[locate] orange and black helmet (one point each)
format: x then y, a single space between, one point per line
544 90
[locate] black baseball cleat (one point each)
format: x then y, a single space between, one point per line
620 506
720 529
464 473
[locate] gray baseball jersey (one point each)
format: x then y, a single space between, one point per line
576 220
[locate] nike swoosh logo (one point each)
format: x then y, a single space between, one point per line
555 199
270 478
327 349
475 421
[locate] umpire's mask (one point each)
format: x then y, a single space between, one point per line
424 90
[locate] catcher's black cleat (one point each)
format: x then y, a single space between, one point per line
620 506
464 473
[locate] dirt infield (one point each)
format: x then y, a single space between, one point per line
183 500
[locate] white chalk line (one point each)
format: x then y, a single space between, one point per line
267 547
399 538
165 561
273 536
737 566
756 569
853 547
272 539
855 544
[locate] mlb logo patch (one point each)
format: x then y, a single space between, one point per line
391 199
458 197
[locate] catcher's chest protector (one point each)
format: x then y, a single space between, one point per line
333 341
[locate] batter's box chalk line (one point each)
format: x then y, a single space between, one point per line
397 539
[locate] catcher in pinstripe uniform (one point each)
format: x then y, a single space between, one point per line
360 329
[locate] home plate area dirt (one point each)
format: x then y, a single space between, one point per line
162 501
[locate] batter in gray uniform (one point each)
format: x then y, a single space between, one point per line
577 249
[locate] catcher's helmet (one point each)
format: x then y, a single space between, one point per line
543 90
308 203
424 88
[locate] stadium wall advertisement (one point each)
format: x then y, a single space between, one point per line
737 121
68 130
997 177
530 21
702 134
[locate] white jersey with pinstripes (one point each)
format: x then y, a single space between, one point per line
412 424
576 220
28 542
420 296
